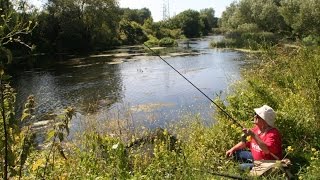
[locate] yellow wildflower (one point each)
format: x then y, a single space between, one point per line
289 149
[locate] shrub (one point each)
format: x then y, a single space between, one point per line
248 28
311 40
153 41
167 42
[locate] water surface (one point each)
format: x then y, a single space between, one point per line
148 87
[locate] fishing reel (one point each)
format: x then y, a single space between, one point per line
244 138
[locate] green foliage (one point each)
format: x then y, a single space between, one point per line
13 27
132 32
167 42
293 18
253 41
207 20
311 40
43 163
302 16
262 13
67 26
137 15
313 170
248 28
70 26
189 22
153 41
18 141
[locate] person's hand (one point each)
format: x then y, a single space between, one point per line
229 152
248 132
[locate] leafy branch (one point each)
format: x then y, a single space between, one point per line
57 135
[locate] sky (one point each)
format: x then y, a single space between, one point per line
175 6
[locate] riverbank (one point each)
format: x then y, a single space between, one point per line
283 81
202 148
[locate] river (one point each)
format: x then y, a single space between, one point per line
119 81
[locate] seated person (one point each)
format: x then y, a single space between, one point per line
264 143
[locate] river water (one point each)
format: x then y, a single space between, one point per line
144 85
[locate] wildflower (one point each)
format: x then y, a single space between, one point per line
289 149
115 146
233 126
314 158
313 149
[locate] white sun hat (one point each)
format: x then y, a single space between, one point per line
267 114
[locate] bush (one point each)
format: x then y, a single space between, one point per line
153 41
225 43
311 40
242 39
167 42
248 28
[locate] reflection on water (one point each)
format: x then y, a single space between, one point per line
149 86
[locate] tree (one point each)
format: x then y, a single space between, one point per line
189 22
132 32
137 15
264 13
228 20
80 25
208 20
302 16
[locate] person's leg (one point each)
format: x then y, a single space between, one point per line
243 156
246 166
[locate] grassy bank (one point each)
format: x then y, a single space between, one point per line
286 79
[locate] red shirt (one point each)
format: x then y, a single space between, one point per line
271 138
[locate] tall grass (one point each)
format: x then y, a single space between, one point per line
248 40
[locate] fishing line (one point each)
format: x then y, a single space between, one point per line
227 114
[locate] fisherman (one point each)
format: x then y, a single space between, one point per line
263 140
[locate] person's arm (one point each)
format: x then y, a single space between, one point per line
240 145
258 140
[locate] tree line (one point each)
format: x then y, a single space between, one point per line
70 26
293 19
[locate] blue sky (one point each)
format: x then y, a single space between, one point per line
175 6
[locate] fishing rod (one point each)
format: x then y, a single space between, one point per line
227 114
